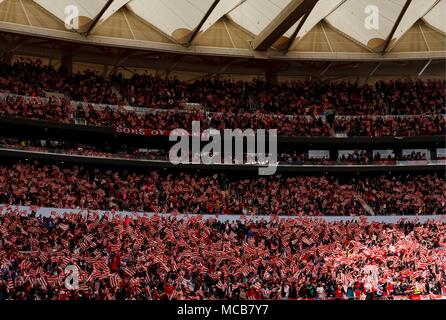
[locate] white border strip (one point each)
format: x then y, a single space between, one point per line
47 212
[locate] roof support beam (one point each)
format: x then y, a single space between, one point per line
20 44
424 68
98 17
328 66
129 54
424 37
228 64
280 24
294 35
375 69
202 21
419 26
395 26
176 63
331 11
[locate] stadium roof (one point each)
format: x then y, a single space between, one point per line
282 29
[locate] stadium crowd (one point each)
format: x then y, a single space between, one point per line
163 257
165 192
302 98
299 97
35 79
404 194
115 258
59 110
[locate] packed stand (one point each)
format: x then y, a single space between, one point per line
370 126
61 111
299 97
36 79
405 194
155 258
165 192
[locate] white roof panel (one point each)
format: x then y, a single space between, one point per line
350 18
115 6
437 16
177 18
171 15
255 15
319 12
219 11
87 8
291 30
415 11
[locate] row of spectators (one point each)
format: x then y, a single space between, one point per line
104 151
165 192
308 98
35 79
404 194
390 126
368 157
129 151
414 155
299 97
59 110
90 257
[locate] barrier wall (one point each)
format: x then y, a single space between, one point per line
46 212
412 142
431 165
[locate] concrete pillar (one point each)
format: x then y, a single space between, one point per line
433 153
67 63
105 70
398 152
167 74
334 153
7 57
271 77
